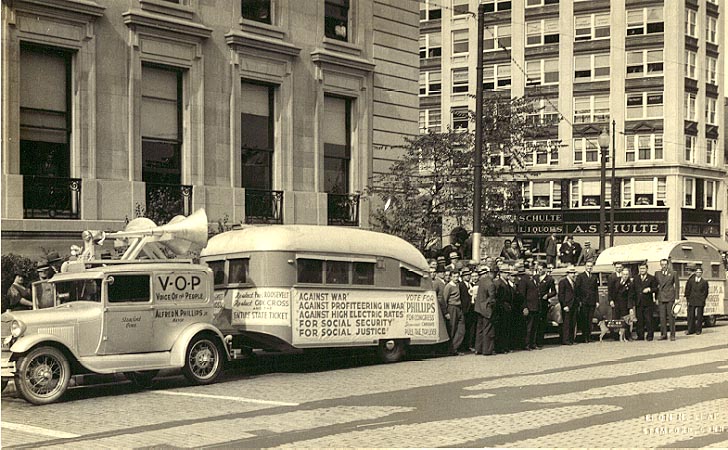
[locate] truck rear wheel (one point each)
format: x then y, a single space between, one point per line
42 375
710 321
203 361
392 350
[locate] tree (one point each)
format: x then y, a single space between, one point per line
433 178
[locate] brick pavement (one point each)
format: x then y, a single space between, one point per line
595 380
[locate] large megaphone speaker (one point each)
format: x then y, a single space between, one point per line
184 232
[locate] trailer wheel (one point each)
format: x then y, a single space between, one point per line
710 321
42 375
203 361
392 350
142 379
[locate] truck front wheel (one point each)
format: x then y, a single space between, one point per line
392 350
42 375
203 361
710 321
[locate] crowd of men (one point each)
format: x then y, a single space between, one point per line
497 307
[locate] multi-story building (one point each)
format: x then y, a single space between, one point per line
653 67
256 110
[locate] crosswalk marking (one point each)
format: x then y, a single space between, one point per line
38 430
226 397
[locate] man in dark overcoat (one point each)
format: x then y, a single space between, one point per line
504 297
546 290
528 292
587 292
668 291
485 309
645 286
696 292
625 298
569 305
550 249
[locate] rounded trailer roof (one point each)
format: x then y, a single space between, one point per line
314 239
643 251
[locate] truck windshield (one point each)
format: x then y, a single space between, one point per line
78 290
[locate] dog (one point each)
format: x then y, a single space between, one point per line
622 325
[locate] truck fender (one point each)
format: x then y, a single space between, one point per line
25 343
177 357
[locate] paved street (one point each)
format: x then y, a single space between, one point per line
610 394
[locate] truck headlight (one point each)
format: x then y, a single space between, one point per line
17 328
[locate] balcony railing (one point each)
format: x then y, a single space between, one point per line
165 201
343 209
51 197
263 206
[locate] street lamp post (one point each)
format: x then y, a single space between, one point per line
603 141
614 200
478 160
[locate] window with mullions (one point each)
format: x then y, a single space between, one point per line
459 7
161 124
711 30
430 10
690 148
710 194
710 115
643 147
409 278
256 10
496 5
431 45
460 80
587 194
256 135
129 288
362 273
591 108
45 111
542 72
711 151
334 272
541 194
541 32
430 119
591 67
534 3
644 105
430 82
337 272
589 27
711 70
691 64
645 20
497 76
337 144
336 19
545 112
310 270
690 108
459 42
586 150
644 192
497 37
218 271
688 192
691 23
645 63
460 118
238 270
541 153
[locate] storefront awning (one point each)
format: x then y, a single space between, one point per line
715 242
633 239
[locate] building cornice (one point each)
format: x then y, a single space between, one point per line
326 57
158 22
69 7
241 39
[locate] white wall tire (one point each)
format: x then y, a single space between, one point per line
203 360
42 376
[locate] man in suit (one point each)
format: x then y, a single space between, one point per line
645 286
612 283
569 305
625 297
466 303
546 290
668 290
696 292
528 292
587 255
587 292
504 293
484 308
568 251
454 316
550 249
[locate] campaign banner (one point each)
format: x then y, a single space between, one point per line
714 304
259 306
342 316
180 288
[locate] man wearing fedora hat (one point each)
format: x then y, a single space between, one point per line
485 309
569 305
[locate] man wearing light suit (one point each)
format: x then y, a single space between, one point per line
668 291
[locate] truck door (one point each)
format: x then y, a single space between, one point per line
128 315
